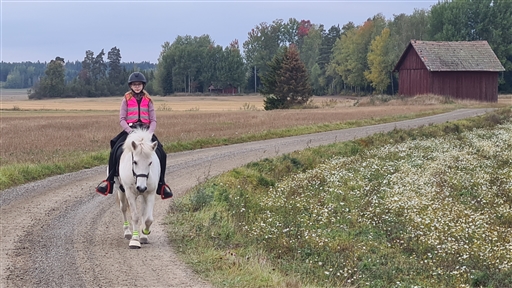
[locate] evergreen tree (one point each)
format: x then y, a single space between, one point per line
269 79
269 82
85 73
99 74
115 72
99 67
292 86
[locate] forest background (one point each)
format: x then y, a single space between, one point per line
352 59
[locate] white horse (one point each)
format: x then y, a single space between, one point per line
139 171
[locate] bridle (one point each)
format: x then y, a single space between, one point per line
135 175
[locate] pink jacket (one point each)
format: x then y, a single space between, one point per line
129 111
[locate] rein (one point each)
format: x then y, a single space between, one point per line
135 175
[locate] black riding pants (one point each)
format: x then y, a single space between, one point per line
118 141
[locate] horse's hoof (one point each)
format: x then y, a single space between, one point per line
128 236
144 239
134 244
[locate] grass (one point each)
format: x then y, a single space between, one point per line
428 207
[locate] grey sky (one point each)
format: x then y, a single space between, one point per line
43 30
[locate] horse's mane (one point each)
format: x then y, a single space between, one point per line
142 138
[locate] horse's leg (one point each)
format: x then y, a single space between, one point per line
147 216
132 202
123 204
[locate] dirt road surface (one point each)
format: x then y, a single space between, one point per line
59 233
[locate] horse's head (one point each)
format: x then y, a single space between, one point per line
141 147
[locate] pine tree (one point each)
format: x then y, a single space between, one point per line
293 82
269 82
115 72
269 79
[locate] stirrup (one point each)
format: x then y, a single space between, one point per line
104 191
161 191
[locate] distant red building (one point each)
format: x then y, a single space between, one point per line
462 70
227 90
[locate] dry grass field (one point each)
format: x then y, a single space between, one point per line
180 103
49 131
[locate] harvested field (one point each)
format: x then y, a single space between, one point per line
16 99
41 131
43 136
169 103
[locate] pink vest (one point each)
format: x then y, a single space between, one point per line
134 111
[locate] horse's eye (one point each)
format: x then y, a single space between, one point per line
150 163
134 162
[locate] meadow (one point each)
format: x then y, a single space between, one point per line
429 207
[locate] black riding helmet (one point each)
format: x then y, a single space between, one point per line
137 77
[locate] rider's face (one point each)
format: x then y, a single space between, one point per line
136 86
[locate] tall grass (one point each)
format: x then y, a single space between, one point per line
430 207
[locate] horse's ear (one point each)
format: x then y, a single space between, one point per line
154 145
134 145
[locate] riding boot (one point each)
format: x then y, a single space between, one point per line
107 186
163 189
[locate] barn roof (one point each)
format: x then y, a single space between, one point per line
454 56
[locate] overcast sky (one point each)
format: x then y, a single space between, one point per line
42 30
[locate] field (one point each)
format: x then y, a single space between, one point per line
175 103
87 124
42 131
17 99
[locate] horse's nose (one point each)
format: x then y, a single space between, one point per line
142 189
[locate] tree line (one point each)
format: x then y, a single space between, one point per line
351 59
20 75
94 78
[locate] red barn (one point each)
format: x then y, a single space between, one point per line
462 70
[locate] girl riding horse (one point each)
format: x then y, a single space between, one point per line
137 111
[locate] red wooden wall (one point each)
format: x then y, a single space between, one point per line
415 79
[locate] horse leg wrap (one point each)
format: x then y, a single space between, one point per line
146 232
127 232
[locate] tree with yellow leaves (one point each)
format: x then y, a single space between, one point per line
379 62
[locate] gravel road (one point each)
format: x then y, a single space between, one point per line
58 232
